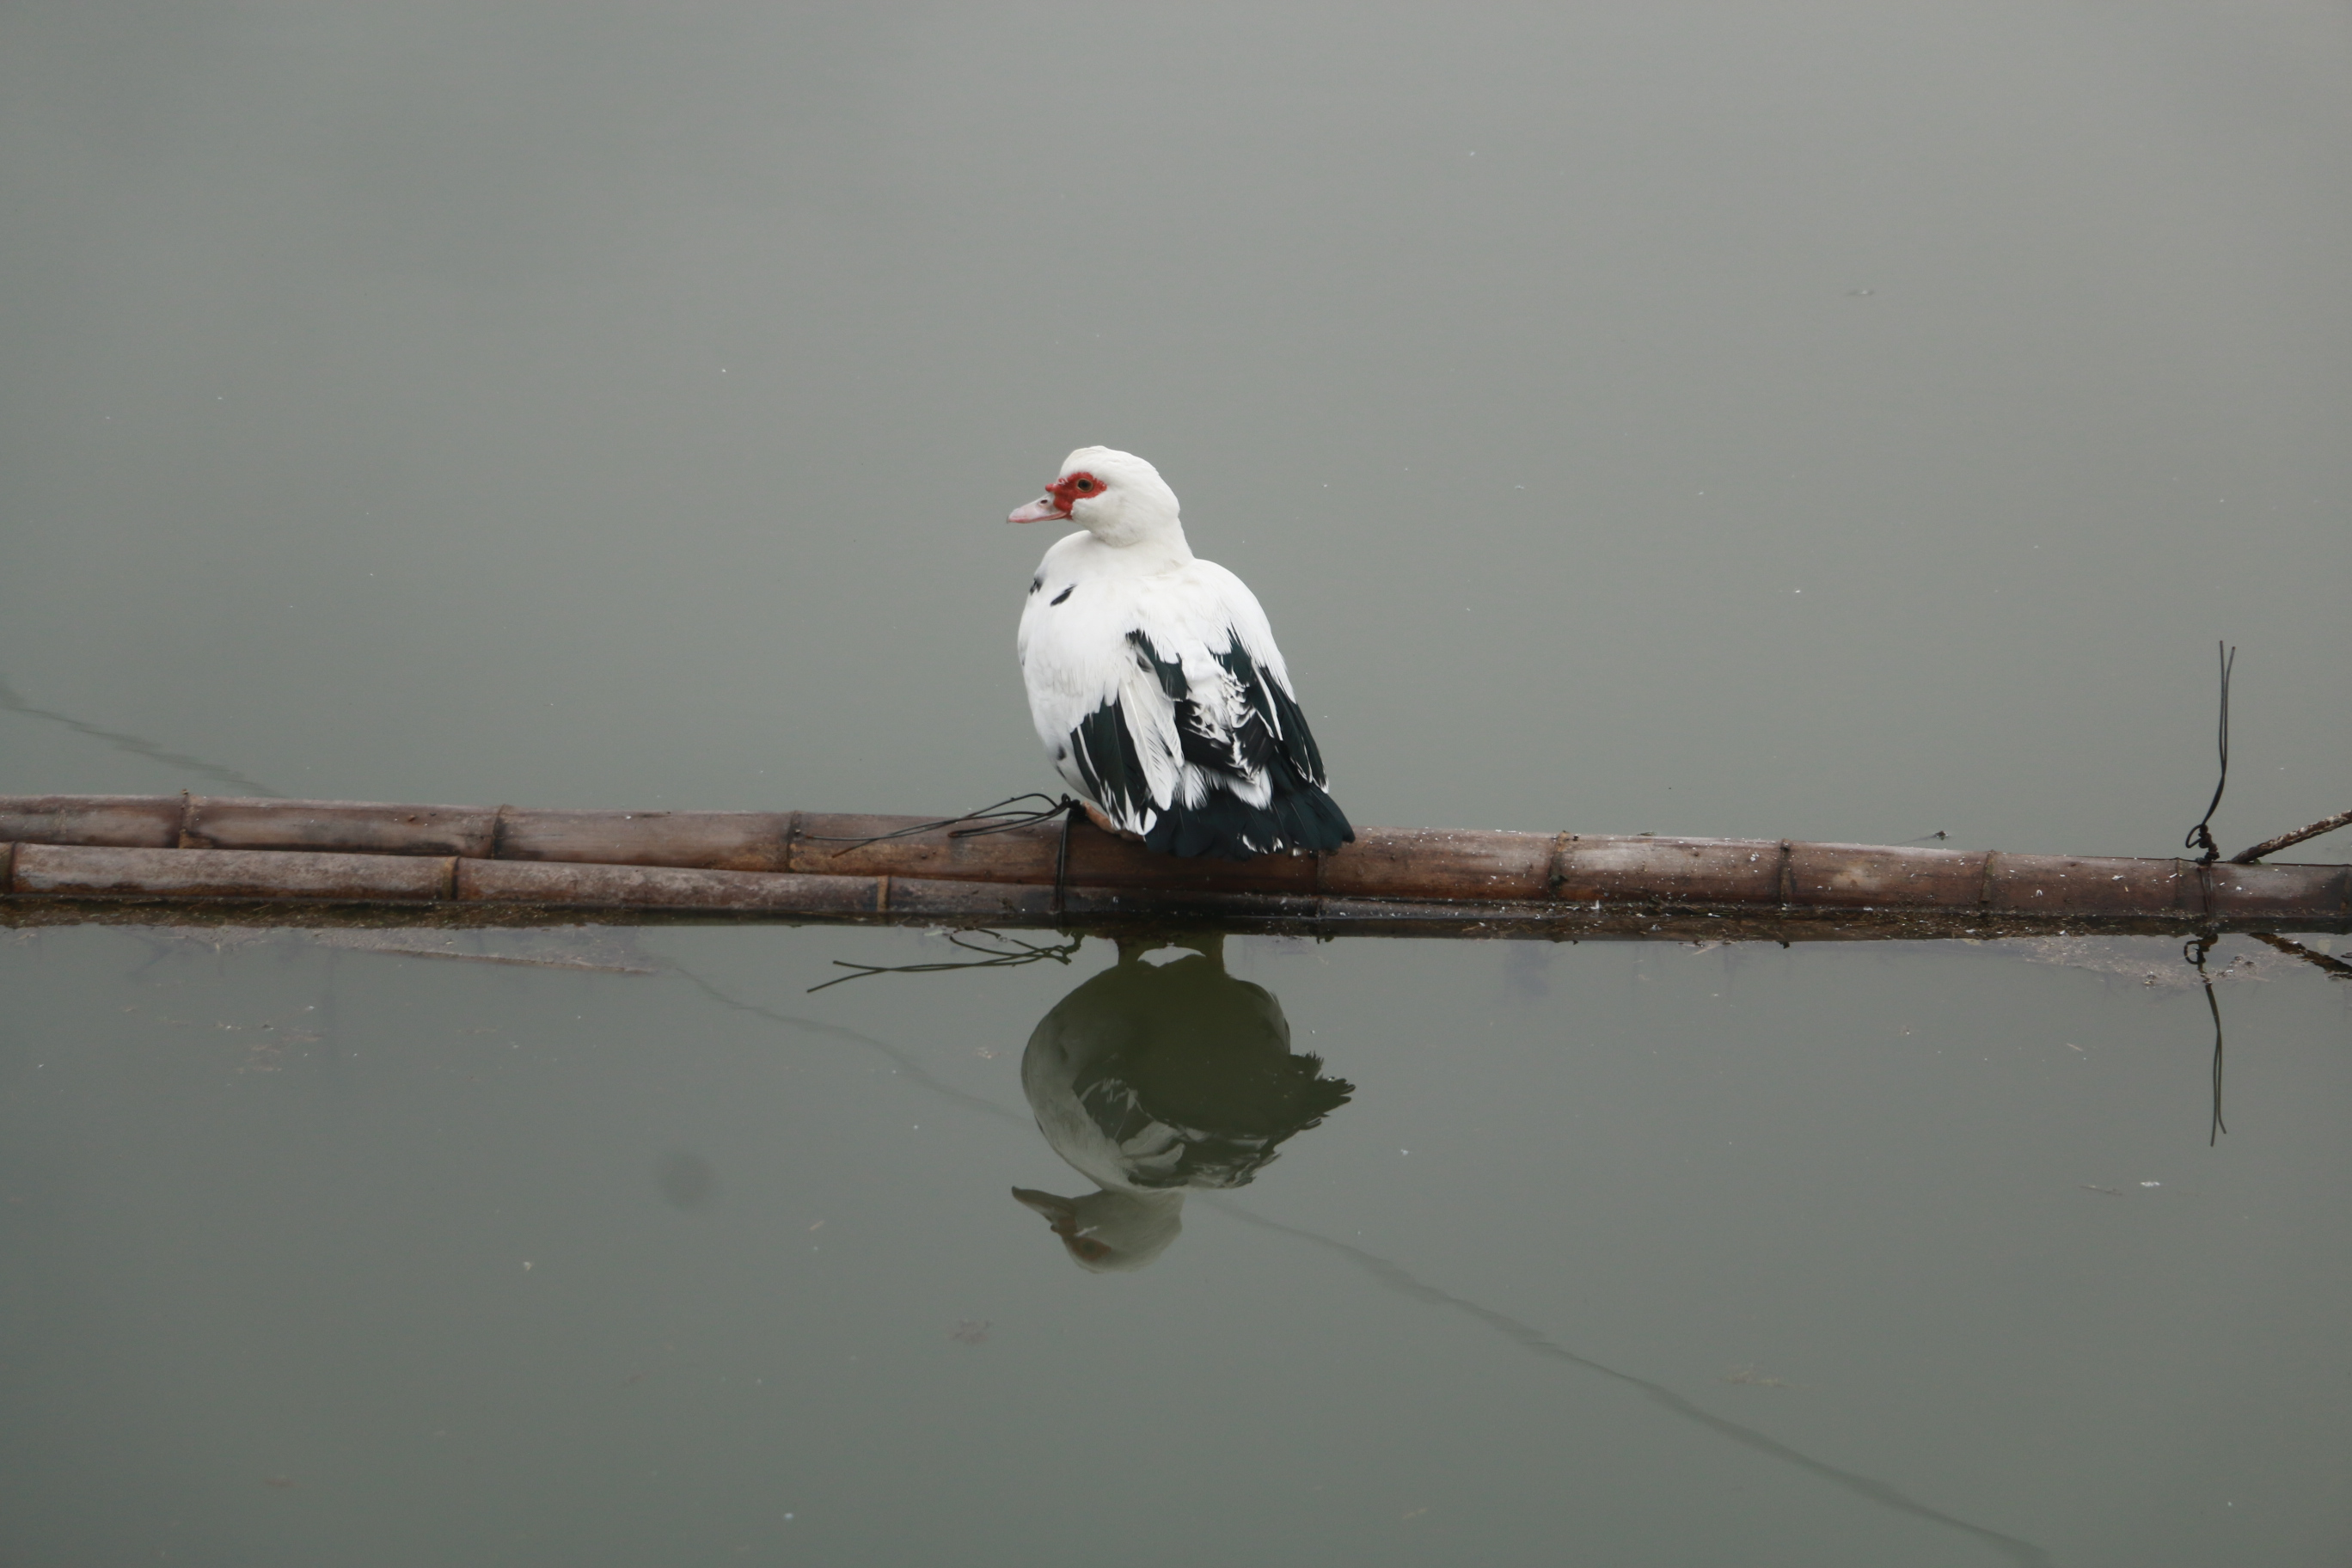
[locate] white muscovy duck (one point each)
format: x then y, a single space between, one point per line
1154 681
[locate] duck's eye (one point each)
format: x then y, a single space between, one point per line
1085 485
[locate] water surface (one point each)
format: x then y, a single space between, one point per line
1824 421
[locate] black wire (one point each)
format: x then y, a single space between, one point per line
2201 836
2195 952
1062 855
1020 953
996 818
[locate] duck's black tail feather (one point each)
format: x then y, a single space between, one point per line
1301 815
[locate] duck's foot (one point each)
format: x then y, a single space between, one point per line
1095 816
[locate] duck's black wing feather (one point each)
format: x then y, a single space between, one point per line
1242 735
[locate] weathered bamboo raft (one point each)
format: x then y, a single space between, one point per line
189 858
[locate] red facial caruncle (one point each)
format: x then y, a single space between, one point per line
1060 497
1072 489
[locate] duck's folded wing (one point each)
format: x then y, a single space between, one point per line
1108 718
1124 753
1234 708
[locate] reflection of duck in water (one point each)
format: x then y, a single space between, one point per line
1151 1079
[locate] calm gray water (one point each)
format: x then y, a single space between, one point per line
1830 421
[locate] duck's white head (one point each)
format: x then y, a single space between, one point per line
1113 1230
1116 496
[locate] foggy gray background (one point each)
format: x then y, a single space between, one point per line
575 405
1830 421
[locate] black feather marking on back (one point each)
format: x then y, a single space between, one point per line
1104 752
1258 737
1271 739
1237 752
1062 594
1037 581
1298 746
1148 659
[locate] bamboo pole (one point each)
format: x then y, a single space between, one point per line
73 857
2309 830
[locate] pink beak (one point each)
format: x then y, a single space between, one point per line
1044 509
1061 1214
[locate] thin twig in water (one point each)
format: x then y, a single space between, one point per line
1003 957
2272 846
13 703
2201 836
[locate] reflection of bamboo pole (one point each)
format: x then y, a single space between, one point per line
2336 968
64 853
